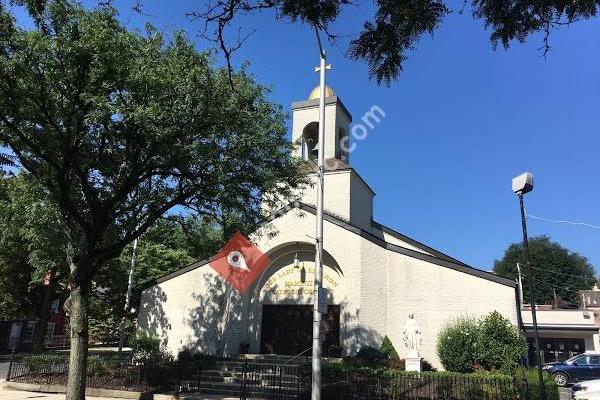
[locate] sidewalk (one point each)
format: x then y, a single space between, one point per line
9 394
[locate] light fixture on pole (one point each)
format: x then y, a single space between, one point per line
318 286
521 185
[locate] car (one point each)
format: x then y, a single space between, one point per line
586 395
586 390
582 367
586 386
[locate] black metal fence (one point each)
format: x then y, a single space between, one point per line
271 381
294 382
262 381
107 371
412 386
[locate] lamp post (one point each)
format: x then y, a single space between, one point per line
318 286
521 185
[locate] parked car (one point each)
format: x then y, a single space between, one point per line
586 386
582 367
586 395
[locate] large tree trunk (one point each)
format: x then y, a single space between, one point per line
78 307
43 315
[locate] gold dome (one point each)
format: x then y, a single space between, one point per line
314 94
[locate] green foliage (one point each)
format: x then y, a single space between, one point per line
196 360
120 129
147 349
143 342
387 38
554 267
533 384
43 363
388 348
32 244
371 355
384 43
457 345
501 344
491 343
166 247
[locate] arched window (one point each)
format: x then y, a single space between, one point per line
310 141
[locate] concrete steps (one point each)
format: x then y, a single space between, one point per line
265 374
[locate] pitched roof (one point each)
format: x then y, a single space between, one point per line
434 256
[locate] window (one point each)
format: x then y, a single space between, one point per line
594 360
583 360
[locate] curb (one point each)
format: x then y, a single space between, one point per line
118 394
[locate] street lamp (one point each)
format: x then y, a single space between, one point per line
521 185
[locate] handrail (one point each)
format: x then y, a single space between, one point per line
296 356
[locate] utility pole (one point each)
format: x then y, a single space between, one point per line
318 287
128 295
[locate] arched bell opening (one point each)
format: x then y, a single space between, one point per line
310 141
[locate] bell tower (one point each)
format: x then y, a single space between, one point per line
347 195
306 123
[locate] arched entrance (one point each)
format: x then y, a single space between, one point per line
285 298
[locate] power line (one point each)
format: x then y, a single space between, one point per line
558 221
564 273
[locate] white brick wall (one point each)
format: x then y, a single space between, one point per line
377 289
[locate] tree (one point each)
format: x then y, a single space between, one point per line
166 247
385 41
121 128
33 260
556 270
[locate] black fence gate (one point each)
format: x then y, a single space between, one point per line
273 382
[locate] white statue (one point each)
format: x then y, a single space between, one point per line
412 336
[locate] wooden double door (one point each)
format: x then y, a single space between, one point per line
287 329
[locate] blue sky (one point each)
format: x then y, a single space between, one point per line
460 122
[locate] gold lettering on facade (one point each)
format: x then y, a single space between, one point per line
289 278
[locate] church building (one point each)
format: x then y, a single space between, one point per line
376 277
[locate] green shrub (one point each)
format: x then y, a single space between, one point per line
197 360
144 342
388 349
42 363
501 344
491 343
457 345
371 355
531 375
98 366
146 349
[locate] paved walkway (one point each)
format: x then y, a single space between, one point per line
564 393
3 371
8 394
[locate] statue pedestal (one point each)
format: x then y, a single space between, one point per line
413 364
